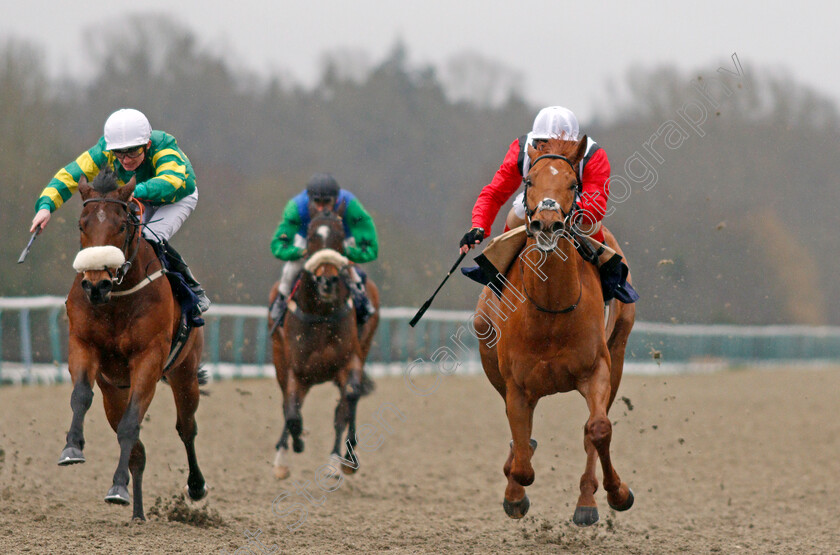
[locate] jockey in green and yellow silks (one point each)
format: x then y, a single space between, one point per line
164 176
289 242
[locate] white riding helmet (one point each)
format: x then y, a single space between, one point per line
126 128
555 122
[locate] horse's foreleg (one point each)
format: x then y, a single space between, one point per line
292 403
597 437
83 368
351 393
80 401
518 469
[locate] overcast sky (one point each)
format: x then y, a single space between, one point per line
566 51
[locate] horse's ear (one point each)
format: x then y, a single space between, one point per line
127 190
532 152
581 150
85 190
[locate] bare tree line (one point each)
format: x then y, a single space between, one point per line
737 229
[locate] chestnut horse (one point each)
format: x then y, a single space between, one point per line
122 321
554 339
320 341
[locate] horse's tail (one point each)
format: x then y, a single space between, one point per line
368 385
203 379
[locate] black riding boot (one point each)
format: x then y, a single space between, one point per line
364 308
277 310
176 264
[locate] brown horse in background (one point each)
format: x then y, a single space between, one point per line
320 341
122 321
554 338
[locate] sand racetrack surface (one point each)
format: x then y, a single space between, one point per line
738 462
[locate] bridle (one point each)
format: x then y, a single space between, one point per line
549 204
556 227
341 311
131 221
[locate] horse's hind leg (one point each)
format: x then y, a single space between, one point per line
184 383
623 316
136 465
281 456
597 437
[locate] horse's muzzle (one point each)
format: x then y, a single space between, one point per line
99 292
327 287
551 228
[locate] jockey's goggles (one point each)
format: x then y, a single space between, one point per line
130 152
325 198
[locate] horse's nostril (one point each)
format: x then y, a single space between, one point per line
86 285
535 226
105 286
556 227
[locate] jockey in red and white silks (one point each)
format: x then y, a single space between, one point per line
594 171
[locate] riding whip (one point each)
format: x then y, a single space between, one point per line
29 245
428 303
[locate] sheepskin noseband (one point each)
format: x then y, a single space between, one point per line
326 256
98 258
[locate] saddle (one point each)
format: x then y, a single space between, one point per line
497 257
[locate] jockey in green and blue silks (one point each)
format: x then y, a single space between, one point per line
289 242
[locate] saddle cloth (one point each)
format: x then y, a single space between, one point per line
495 261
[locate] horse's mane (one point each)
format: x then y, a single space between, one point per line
327 215
559 146
105 181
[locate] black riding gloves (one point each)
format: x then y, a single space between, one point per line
472 237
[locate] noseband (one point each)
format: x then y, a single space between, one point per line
130 220
550 204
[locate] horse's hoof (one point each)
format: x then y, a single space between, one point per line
197 496
281 472
297 445
585 516
71 455
138 519
348 469
118 495
624 506
517 509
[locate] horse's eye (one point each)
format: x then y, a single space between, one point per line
122 228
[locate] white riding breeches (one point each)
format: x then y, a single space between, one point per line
162 222
290 271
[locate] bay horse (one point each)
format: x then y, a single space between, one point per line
320 341
554 339
122 321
